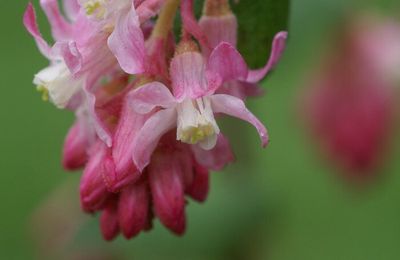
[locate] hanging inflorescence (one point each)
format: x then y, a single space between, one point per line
146 131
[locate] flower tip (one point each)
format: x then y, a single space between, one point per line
28 14
282 35
179 227
264 140
72 164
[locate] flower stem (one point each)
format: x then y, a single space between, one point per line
166 18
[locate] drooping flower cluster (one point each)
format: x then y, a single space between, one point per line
349 106
145 130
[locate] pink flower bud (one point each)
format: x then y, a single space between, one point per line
93 191
219 29
133 210
109 220
200 185
75 146
168 192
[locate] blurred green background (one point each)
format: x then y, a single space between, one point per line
278 203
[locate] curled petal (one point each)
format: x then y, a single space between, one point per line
235 107
151 95
101 129
147 138
32 27
127 43
188 79
71 55
60 28
218 157
109 220
278 46
168 192
226 64
133 209
200 185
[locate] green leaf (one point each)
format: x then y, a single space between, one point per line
259 21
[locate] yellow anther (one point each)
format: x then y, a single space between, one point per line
194 135
44 91
91 7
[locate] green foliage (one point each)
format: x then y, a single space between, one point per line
259 21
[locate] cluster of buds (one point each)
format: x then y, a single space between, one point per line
145 104
350 105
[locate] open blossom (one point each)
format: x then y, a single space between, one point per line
146 107
192 107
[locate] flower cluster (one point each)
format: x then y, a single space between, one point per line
145 104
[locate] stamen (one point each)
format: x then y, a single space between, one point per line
91 7
96 8
44 91
195 123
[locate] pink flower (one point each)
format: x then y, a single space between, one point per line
192 107
147 141
350 105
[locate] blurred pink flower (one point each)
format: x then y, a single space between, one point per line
350 103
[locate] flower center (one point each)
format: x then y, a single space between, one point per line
95 8
196 123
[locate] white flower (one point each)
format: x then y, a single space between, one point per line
58 84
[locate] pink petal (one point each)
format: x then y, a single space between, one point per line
190 23
109 221
225 64
156 59
121 170
71 8
75 148
217 158
101 129
187 75
184 157
71 55
148 8
147 138
168 192
127 43
149 96
133 209
60 28
241 89
235 107
32 27
200 185
219 29
278 46
93 191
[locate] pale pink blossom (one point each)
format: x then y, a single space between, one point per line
145 132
